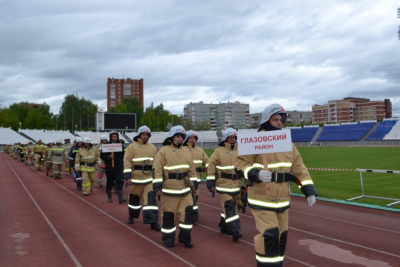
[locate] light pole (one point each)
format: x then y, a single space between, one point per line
76 126
20 125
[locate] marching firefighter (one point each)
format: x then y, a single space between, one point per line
48 164
138 165
100 169
28 153
173 170
72 156
57 154
200 160
38 150
67 145
114 167
222 178
85 165
269 192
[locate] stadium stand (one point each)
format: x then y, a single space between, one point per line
8 137
305 134
46 136
95 136
345 132
394 133
382 130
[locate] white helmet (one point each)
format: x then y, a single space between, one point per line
103 137
178 129
274 109
227 132
78 139
189 134
142 129
50 141
86 140
59 141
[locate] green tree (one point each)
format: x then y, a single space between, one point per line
8 119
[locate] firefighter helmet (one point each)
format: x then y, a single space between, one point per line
189 134
103 137
142 129
274 109
227 132
78 139
86 140
175 130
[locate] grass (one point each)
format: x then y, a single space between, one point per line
343 185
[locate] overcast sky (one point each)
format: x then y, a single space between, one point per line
296 53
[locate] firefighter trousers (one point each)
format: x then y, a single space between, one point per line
270 243
145 193
230 221
88 179
57 170
171 206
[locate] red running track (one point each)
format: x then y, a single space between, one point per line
46 222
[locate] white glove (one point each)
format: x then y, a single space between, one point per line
311 200
264 176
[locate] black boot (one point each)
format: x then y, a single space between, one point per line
109 196
155 227
121 199
130 220
236 236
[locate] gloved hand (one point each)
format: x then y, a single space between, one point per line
264 176
78 174
127 175
311 200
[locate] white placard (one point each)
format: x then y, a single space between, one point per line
264 142
111 147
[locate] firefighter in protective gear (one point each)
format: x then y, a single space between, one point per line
67 145
100 169
114 166
72 156
38 150
173 170
57 155
138 165
269 192
222 178
28 152
85 165
48 165
200 160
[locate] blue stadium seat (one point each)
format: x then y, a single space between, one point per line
382 130
346 132
303 134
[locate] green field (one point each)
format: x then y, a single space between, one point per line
343 185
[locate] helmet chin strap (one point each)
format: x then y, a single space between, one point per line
268 127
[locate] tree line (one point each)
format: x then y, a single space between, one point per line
79 114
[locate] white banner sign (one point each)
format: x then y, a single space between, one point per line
111 147
264 142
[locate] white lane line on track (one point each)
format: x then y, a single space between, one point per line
326 237
348 222
325 217
241 240
345 242
121 223
75 260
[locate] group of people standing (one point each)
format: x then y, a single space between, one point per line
172 175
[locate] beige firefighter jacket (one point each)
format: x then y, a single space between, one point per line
273 196
138 161
68 147
171 165
221 172
38 149
86 159
57 154
200 159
